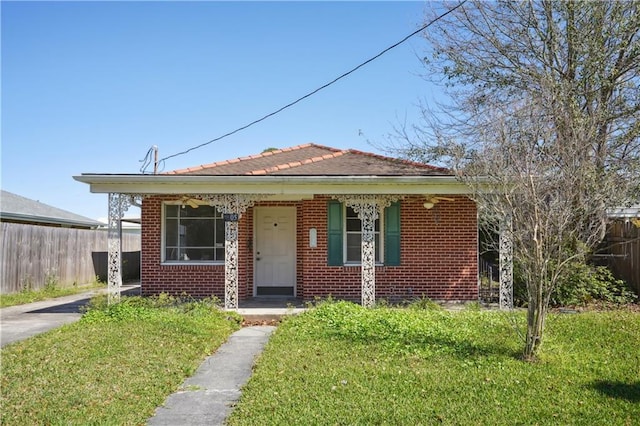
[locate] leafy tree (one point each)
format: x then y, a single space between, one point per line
543 124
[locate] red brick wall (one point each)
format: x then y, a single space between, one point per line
438 256
173 279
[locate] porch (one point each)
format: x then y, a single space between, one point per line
345 233
269 308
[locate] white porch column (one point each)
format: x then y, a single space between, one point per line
368 212
117 205
231 261
368 208
232 206
506 263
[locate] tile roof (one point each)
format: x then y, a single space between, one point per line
315 160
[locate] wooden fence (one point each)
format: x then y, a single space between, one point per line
623 252
32 256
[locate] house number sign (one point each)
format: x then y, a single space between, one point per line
230 217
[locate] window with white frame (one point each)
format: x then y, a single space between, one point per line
353 238
193 234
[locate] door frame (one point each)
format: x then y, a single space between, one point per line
294 246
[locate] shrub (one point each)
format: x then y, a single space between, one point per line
583 284
580 284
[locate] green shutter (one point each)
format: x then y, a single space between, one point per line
392 235
334 233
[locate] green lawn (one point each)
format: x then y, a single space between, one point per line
341 364
114 366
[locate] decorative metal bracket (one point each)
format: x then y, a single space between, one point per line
368 208
506 263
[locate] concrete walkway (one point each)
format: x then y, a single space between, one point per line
207 397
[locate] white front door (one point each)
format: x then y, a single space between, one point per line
275 251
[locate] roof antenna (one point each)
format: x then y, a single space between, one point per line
147 160
155 159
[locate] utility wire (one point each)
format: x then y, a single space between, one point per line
424 27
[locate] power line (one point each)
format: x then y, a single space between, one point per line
424 27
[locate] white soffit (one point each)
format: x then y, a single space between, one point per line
198 184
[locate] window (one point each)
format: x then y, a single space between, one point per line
193 234
344 235
353 238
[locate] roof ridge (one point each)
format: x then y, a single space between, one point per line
399 160
250 157
294 164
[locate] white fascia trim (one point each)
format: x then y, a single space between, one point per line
624 212
196 184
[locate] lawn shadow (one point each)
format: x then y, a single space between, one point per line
619 390
464 349
460 347
75 307
63 308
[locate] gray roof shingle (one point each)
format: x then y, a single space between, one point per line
14 207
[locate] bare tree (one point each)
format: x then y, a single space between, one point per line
543 125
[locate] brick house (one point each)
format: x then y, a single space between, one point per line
308 221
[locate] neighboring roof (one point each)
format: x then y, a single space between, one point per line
13 207
625 212
315 160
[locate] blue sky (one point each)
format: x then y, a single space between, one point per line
89 87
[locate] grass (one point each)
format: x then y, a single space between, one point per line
342 364
114 366
50 291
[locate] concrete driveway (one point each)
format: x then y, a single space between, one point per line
23 321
